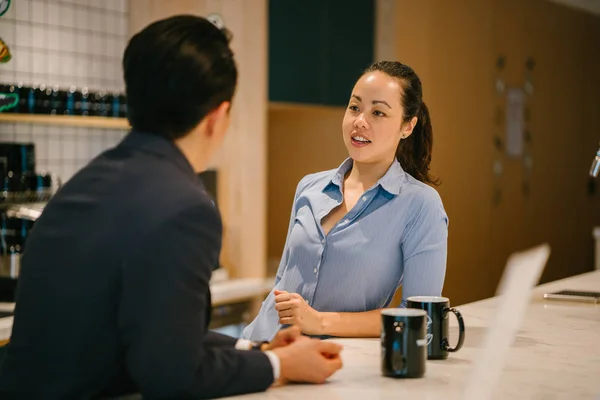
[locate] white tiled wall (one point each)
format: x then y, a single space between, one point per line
65 43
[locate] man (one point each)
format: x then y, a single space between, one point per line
114 292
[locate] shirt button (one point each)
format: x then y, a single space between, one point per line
315 270
323 240
346 221
364 198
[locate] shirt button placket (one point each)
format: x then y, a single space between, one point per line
316 269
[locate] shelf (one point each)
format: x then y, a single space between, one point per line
66 120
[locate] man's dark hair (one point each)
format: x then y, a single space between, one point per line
176 71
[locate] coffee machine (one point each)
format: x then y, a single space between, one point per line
23 195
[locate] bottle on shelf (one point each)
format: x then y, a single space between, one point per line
32 95
69 101
114 108
100 104
44 99
123 106
54 100
23 93
82 104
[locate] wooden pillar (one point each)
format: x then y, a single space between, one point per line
385 30
241 163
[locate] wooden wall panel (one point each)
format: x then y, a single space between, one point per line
453 46
242 161
453 60
301 140
554 36
588 212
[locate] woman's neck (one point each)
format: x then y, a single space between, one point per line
365 175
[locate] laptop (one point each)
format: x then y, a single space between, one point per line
523 271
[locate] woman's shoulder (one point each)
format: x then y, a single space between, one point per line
315 179
421 195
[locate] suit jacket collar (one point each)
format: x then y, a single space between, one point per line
160 146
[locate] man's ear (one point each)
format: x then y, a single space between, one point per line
216 117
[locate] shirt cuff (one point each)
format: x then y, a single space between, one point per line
243 344
275 363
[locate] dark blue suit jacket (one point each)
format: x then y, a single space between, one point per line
114 295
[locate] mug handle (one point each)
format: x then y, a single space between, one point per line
461 331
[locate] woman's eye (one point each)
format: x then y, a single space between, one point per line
378 113
353 108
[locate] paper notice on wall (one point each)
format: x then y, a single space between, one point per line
515 121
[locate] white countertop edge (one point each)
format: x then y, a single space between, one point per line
225 292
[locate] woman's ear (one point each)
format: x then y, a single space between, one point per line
407 129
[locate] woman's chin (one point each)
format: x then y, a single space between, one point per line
366 157
359 155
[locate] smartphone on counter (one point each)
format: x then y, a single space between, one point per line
574 295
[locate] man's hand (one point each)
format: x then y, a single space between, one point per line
284 337
309 360
294 310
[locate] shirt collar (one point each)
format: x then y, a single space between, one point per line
393 179
391 182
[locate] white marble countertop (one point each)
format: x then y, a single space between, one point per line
222 292
556 355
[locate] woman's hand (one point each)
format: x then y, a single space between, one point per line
294 310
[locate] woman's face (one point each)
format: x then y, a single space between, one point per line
372 125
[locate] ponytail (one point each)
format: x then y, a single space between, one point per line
414 152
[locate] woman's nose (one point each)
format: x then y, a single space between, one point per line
360 122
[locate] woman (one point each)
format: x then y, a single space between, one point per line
359 232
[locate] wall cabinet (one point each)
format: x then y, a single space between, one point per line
318 48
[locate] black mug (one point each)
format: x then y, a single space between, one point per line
403 342
437 309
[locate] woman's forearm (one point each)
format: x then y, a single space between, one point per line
346 324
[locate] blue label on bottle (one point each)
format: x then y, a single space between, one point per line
115 107
31 101
70 103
